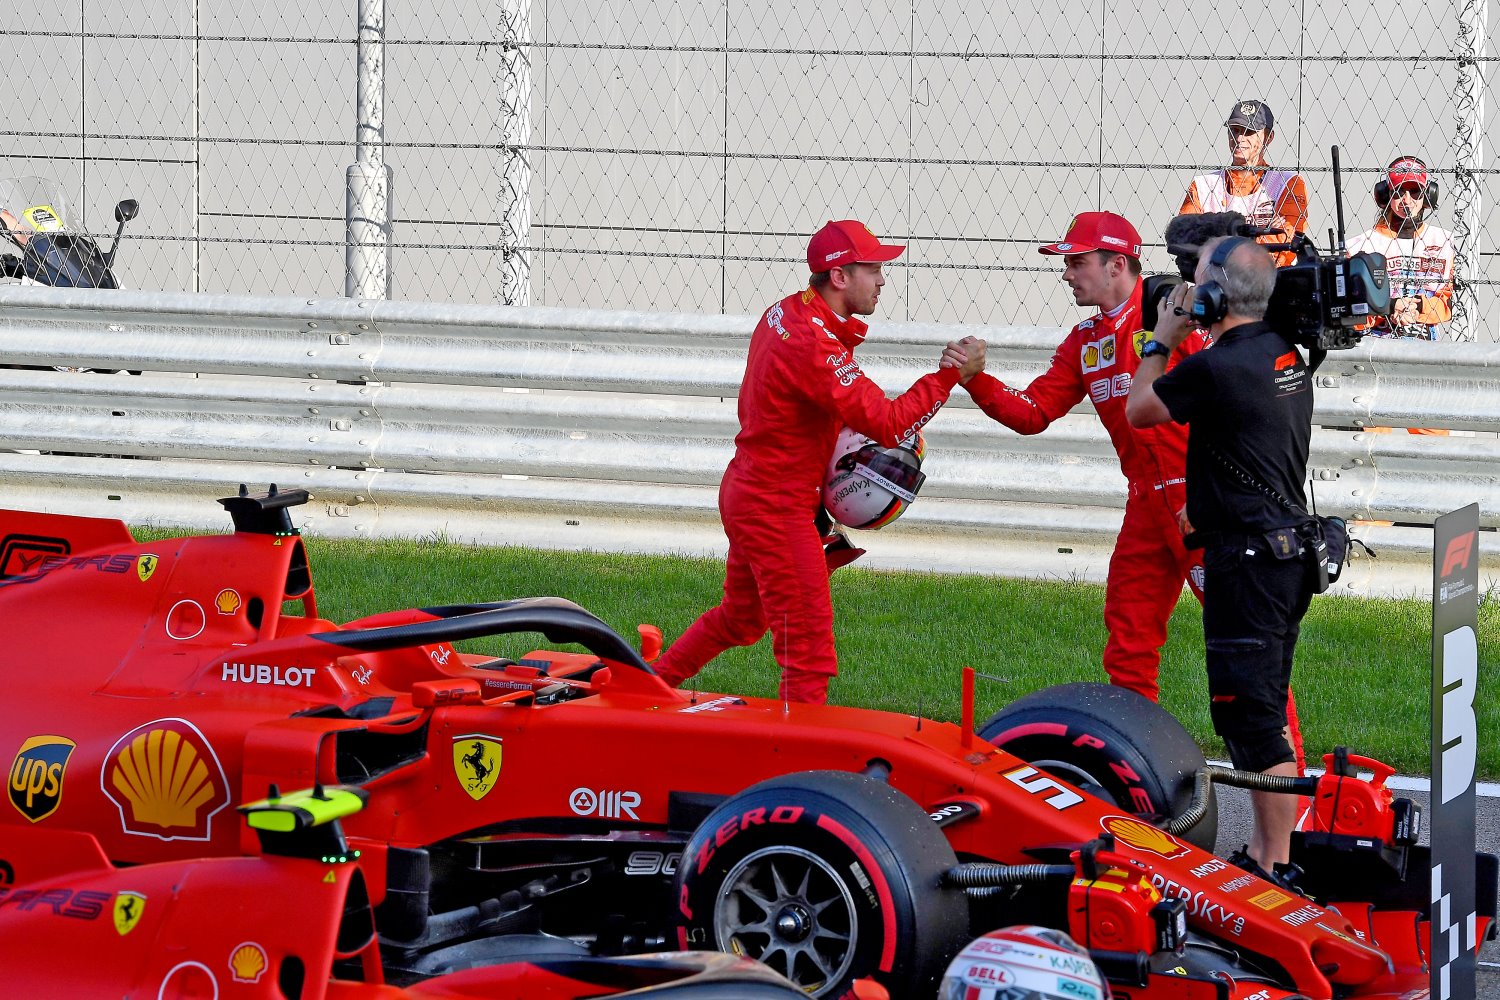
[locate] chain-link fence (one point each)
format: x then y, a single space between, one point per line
675 154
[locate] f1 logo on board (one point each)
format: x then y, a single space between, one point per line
1457 556
607 803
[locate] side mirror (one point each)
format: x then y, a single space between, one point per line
126 210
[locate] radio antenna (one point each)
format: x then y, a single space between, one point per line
1338 199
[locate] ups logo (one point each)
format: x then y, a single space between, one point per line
36 776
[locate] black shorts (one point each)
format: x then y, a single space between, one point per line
1253 605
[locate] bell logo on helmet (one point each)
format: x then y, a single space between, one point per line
1038 963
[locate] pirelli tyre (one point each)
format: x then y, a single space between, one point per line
827 877
1110 742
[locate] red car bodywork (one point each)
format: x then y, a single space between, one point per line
152 686
268 927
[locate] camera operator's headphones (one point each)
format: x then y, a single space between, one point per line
1383 190
1210 302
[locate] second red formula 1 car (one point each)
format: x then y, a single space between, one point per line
292 922
153 684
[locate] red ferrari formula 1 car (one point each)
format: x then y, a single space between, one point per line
153 684
284 924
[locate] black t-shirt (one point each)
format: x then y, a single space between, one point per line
1249 396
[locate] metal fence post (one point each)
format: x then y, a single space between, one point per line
1468 106
367 198
514 85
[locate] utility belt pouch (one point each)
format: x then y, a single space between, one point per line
1326 540
1283 543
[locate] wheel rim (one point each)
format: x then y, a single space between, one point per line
790 909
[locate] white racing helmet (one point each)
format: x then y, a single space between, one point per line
1023 963
868 486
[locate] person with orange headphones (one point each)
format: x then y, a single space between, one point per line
1418 256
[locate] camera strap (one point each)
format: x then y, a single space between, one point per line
1254 481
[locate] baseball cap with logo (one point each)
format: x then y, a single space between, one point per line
1098 231
1407 170
847 242
1253 115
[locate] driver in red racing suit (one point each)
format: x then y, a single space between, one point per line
1101 253
802 385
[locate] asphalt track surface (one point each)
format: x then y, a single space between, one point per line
1234 830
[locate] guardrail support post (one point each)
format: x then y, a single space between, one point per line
1468 107
367 198
514 85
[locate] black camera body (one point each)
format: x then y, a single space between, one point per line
1319 301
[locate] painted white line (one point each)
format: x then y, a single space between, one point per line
1400 782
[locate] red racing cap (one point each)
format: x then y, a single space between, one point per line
1098 231
1407 170
847 242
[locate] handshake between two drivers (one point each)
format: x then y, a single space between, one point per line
967 355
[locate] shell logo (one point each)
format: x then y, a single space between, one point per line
247 962
166 781
227 601
1143 836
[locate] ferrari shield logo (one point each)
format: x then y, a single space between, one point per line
1139 339
145 566
476 762
128 909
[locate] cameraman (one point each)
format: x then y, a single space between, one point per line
1248 405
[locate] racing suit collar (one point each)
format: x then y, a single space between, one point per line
1119 317
850 330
